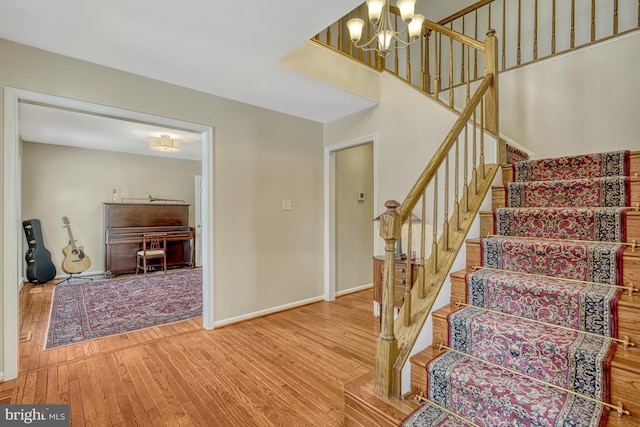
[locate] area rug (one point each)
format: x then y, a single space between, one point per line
615 163
87 310
605 192
595 224
489 395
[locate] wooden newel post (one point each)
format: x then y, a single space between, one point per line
387 345
491 103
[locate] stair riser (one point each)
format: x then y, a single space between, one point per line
632 224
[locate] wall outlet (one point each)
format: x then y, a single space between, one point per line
286 205
360 196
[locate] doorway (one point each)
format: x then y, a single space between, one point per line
12 201
350 200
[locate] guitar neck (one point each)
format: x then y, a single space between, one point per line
72 242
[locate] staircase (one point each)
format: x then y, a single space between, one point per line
620 361
449 59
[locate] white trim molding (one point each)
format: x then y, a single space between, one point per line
329 207
11 275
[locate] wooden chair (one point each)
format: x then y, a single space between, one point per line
154 246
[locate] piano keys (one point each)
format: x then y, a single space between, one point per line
125 223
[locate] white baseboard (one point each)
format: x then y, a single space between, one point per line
265 312
356 289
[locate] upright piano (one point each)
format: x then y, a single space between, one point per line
125 223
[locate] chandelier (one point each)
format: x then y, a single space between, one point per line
384 32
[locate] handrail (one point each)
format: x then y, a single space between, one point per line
428 173
462 38
464 11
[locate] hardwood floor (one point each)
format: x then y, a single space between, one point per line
285 369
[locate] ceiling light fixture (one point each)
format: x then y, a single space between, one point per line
384 32
164 143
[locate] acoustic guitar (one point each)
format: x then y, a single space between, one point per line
40 268
75 260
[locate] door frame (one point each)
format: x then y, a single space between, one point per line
11 276
330 205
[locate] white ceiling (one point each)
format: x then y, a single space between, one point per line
225 48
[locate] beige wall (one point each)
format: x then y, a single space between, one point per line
584 102
74 182
264 257
354 218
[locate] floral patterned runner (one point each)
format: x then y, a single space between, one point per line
583 306
604 192
491 396
595 224
563 357
590 262
431 415
615 163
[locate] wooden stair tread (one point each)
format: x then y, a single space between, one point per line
460 274
627 359
631 301
363 407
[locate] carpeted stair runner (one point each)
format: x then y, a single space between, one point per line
606 192
490 395
584 306
595 224
558 356
588 261
533 344
615 163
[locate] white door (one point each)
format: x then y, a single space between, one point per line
198 226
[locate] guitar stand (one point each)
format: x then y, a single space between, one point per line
71 276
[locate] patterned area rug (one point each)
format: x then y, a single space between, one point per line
615 163
589 262
605 192
87 310
595 224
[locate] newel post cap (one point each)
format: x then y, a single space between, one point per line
390 224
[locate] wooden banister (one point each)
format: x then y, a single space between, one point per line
392 351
